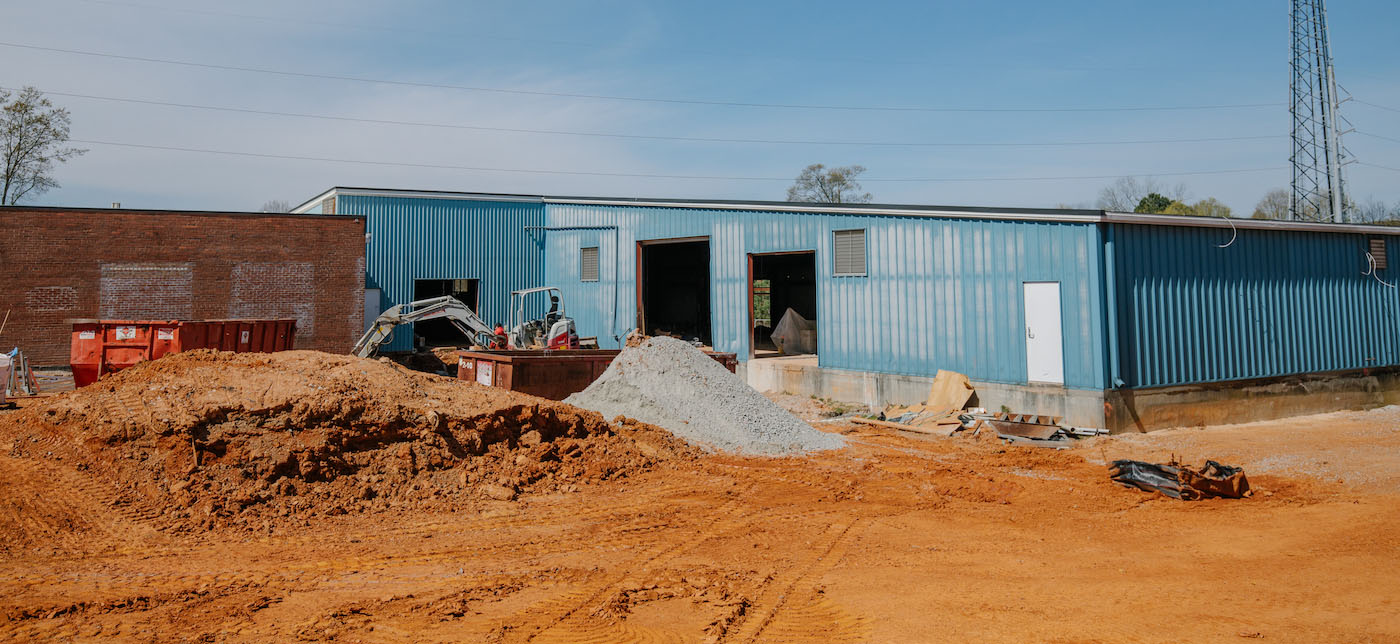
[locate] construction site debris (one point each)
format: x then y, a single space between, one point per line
795 335
936 430
668 383
1180 482
950 390
205 437
18 377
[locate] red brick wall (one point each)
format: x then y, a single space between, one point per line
59 264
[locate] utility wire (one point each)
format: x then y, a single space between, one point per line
1377 136
263 155
636 99
689 139
1373 165
1376 105
477 33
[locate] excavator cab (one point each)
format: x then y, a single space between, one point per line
554 331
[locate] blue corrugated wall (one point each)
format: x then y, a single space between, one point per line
939 294
1271 303
415 238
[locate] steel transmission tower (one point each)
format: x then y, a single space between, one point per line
1318 191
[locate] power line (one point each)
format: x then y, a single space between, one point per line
690 139
1375 105
635 99
1374 165
1377 136
263 155
804 57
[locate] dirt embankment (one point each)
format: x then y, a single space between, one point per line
205 438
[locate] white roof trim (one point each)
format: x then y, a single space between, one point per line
835 209
1255 224
825 209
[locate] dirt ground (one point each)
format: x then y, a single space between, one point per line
893 539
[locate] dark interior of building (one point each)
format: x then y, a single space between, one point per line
676 290
781 282
441 333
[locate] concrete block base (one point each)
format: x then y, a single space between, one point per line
801 376
1119 410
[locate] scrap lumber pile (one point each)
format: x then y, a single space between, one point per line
939 415
945 413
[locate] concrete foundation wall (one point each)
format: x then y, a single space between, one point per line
1117 410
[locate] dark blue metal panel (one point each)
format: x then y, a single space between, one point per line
413 238
1271 303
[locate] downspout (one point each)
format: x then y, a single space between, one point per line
617 266
1115 379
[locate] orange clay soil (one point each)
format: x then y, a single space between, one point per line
892 539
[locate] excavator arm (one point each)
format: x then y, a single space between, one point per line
445 307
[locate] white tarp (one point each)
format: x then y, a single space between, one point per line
4 376
795 335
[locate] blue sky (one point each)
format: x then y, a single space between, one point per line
997 56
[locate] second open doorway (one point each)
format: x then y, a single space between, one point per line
673 294
779 282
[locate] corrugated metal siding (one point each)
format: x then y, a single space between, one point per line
939 294
422 238
1272 303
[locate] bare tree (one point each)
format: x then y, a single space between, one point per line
32 137
275 205
1374 210
817 184
1274 205
1126 193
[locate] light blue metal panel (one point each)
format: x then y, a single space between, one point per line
426 238
938 294
1272 303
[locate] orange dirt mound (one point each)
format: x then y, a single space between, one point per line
206 438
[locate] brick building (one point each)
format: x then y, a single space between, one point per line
60 264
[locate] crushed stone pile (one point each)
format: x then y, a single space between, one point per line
205 438
671 384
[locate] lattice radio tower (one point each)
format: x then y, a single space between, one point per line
1319 193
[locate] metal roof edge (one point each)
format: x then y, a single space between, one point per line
306 205
1032 214
343 191
1253 224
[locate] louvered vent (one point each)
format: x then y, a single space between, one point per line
1376 246
850 252
588 264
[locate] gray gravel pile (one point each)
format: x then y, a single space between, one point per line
670 384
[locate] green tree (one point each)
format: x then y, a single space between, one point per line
1210 207
1178 208
818 184
33 134
1153 203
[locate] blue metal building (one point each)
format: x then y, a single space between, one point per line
1131 302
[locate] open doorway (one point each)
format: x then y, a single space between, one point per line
441 333
779 282
673 294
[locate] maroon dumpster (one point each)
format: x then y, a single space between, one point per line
104 346
547 374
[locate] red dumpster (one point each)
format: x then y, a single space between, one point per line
104 346
547 374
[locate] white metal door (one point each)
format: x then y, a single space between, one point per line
1045 360
371 306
